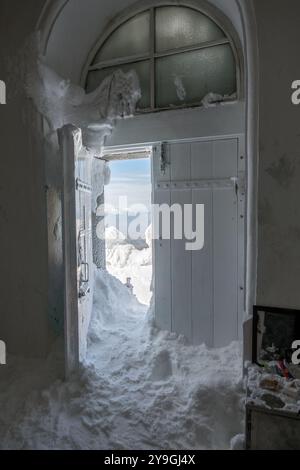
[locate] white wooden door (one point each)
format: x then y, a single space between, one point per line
77 244
200 294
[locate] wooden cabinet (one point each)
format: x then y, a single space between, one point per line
271 429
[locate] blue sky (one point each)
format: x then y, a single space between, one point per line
131 178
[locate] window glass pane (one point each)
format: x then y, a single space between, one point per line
131 38
180 26
142 69
186 78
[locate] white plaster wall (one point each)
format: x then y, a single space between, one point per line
23 218
279 154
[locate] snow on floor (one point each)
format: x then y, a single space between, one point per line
140 389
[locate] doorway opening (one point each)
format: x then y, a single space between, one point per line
128 220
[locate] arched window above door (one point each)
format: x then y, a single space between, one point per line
179 54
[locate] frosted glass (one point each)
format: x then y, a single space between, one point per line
131 38
186 78
143 71
180 27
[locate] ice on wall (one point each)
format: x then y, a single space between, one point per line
140 389
212 99
62 102
238 442
98 181
180 89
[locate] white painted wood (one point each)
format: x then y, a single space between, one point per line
207 302
162 272
225 158
181 275
186 124
77 246
162 248
202 275
180 158
225 263
85 251
242 217
202 160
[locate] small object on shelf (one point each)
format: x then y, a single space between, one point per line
292 389
271 383
272 401
295 371
284 370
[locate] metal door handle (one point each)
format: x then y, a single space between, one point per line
86 278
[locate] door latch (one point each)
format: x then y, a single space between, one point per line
86 277
239 185
163 159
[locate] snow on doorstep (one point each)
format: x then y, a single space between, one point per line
140 389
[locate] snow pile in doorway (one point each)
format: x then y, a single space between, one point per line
124 260
113 305
140 389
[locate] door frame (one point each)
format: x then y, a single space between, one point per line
77 302
123 152
66 138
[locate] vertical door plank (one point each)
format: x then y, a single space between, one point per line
180 157
202 276
162 272
225 262
181 274
225 158
202 160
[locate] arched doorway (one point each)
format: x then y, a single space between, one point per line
124 128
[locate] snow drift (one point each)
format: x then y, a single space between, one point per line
124 260
140 389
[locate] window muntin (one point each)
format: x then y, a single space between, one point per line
179 54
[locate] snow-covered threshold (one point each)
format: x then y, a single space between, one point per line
140 388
